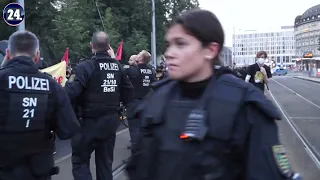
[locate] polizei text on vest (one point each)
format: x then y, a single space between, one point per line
28 83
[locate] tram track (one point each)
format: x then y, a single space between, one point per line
309 148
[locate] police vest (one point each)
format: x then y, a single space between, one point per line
102 90
135 78
210 158
144 83
27 107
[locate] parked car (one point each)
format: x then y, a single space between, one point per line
280 72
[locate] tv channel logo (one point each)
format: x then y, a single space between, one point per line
13 14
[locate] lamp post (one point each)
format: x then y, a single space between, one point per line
234 47
153 36
22 25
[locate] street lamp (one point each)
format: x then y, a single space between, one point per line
153 41
22 25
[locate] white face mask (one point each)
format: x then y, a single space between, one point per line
261 61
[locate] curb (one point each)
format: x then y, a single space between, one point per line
311 80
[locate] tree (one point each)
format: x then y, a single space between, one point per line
135 43
38 19
176 7
70 23
71 30
108 21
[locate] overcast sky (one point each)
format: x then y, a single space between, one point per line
255 14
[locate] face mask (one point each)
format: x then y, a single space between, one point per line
261 61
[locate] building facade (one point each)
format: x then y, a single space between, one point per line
278 44
307 34
226 56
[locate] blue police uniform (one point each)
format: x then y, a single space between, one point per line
141 77
100 84
226 132
32 105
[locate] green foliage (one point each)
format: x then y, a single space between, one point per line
109 21
70 23
71 30
136 43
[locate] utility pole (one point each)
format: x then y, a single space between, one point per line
153 42
22 25
234 47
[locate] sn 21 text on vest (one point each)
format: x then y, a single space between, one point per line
109 84
28 83
27 103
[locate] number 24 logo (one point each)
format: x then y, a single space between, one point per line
14 13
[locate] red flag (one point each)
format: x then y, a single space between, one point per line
119 51
65 57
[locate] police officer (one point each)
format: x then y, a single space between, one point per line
143 60
203 122
133 60
133 72
141 76
100 84
32 105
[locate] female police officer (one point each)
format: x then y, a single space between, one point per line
204 123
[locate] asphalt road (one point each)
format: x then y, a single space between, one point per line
121 153
299 102
63 148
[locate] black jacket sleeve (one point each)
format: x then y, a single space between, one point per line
66 121
126 88
265 156
82 74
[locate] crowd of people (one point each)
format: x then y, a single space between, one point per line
197 121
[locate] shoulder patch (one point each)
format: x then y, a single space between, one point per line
126 66
280 156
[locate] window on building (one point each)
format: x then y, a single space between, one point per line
287 59
278 59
